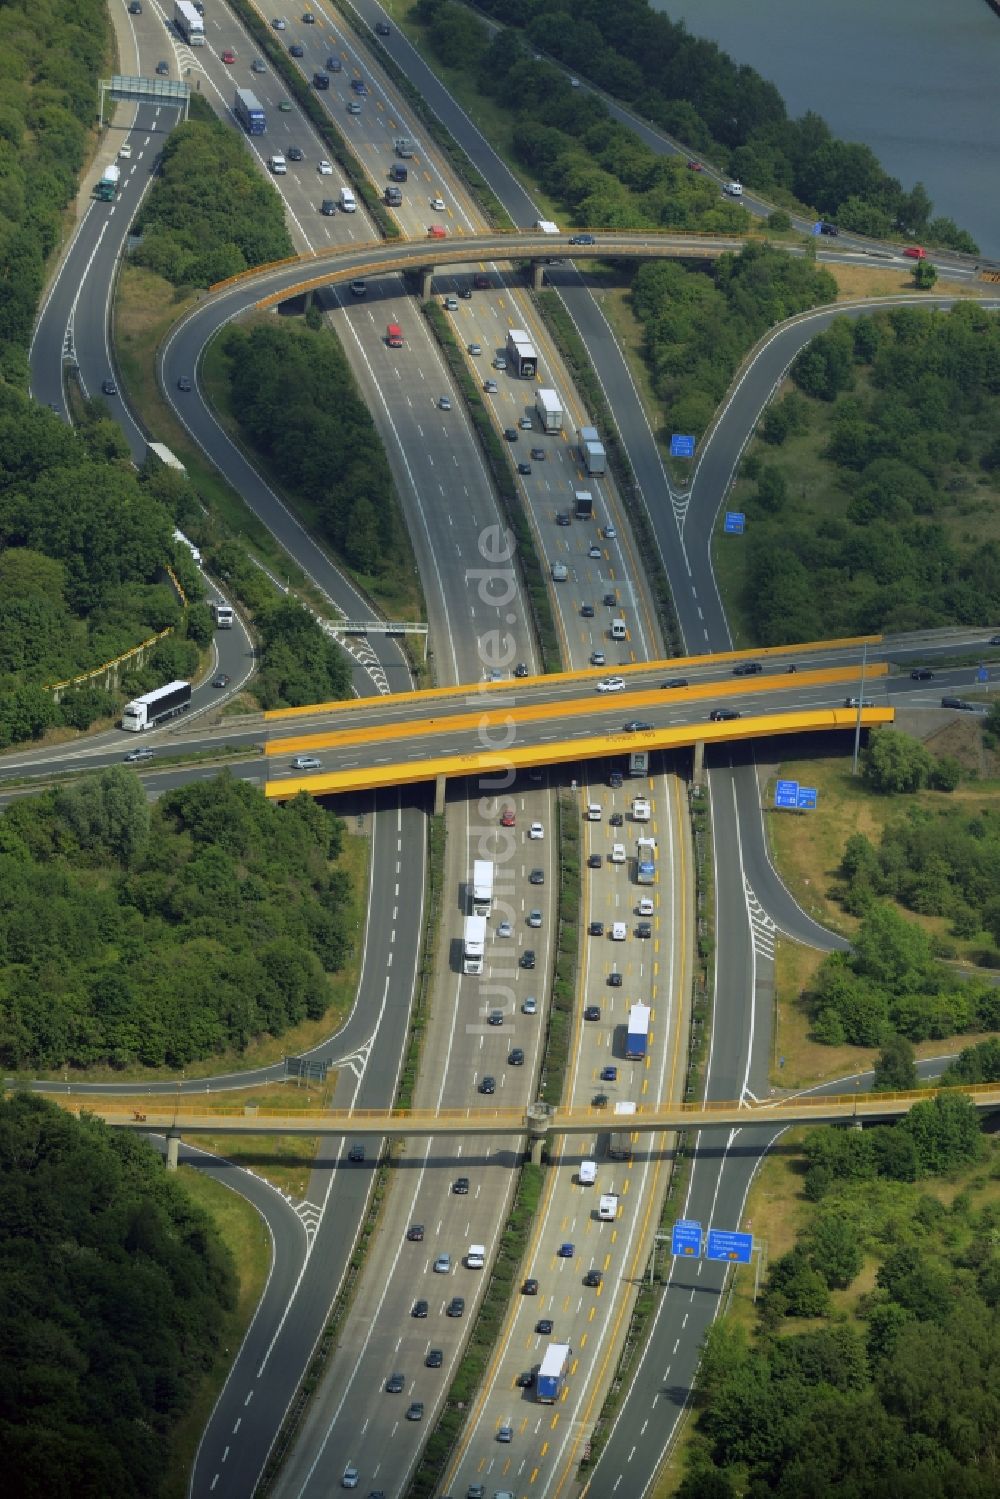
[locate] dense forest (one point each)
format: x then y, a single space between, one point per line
873 1371
876 488
688 86
322 443
133 933
211 214
113 1287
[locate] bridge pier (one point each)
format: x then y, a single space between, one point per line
539 1117
537 274
426 277
698 766
440 784
173 1146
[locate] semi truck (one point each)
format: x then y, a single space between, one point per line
474 944
482 887
223 615
154 707
638 763
250 112
189 23
583 504
549 408
107 188
620 1146
592 453
645 864
552 1372
637 1038
521 355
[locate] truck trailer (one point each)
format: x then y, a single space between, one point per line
637 1039
250 112
521 353
552 1372
189 23
620 1146
107 188
583 504
153 707
549 408
474 944
592 454
222 615
482 887
645 864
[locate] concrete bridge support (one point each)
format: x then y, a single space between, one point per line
537 274
426 278
173 1146
440 784
539 1118
698 763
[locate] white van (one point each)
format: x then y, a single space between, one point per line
618 931
618 630
646 906
640 808
607 1208
348 202
618 853
476 1257
278 164
587 1174
593 811
733 189
559 572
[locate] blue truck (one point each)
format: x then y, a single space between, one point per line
250 112
552 1372
638 1032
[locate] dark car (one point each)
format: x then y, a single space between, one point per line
599 1101
957 702
644 929
528 958
222 680
520 670
415 1233
830 229
723 715
526 1381
294 153
510 433
419 1308
109 387
615 780
610 600
615 820
529 1287
321 80
297 50
536 877
635 726
356 1153
747 669
162 68
135 8
524 468
562 519
614 979
516 1057
594 861
592 1012
586 611
582 239
488 1084
596 928
456 1306
329 208
466 294
334 64
538 454
184 383
609 1074
994 640
434 1359
676 682
593 1278
395 1384
460 1186
415 1411
382 28
921 674
308 18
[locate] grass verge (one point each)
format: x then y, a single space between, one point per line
437 839
498 463
555 1057
484 1336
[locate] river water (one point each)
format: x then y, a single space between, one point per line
916 80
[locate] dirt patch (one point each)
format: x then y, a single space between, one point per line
855 281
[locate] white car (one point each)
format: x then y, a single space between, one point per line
610 534
125 152
444 403
618 853
324 168
350 1478
594 550
536 830
438 205
597 658
618 931
611 684
530 1007
505 929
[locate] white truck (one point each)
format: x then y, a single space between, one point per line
522 358
482 887
474 944
640 809
222 614
189 23
348 202
549 408
620 1145
592 453
607 1207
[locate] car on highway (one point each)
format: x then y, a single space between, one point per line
615 780
444 403
616 820
507 817
695 166
636 726
488 1085
599 1101
416 1410
297 49
434 1359
528 958
610 600
525 423
536 831
536 877
586 610
529 1287
562 519
993 640
382 28
490 387
442 1265
524 468
334 64
915 252
609 533
257 66
324 168
505 929
456 1307
617 853
356 1154
609 1074
921 674
305 762
419 1308
596 928
958 702
510 433
644 929
285 106
724 715
437 204
505 1433
582 239
474 349
229 56
566 1251
450 304
747 669
515 1057
495 1017
675 682
125 152
611 684
526 1380
415 1233
295 153
395 1384
135 7
592 1012
535 918
520 670
328 207
308 19
593 1278
614 979
859 702
598 658
359 288
145 753
222 680
162 68
538 454
278 24
499 361
350 1475
109 387
353 107
184 382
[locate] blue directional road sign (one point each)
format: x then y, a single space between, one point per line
736 522
786 794
806 798
818 227
686 1238
681 446
736 1248
982 675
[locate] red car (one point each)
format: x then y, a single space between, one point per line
695 166
229 55
915 252
481 282
507 820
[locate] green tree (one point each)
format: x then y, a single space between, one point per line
894 762
833 1247
924 275
945 1132
895 1067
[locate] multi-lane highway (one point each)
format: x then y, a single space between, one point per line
446 494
